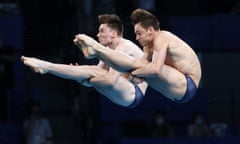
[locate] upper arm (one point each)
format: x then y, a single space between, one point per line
159 52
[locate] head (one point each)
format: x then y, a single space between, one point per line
110 27
145 24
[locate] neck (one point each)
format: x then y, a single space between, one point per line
155 33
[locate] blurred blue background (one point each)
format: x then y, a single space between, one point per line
80 115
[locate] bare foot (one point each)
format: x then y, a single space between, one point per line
37 65
88 50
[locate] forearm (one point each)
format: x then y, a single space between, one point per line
152 68
149 70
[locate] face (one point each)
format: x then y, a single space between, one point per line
105 34
143 36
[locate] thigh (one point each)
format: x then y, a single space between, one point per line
172 76
169 82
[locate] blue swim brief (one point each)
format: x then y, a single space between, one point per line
190 92
138 97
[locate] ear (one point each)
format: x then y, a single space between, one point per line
114 34
150 29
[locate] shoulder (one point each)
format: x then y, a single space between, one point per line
128 43
167 35
130 48
167 38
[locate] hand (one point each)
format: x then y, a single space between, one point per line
135 79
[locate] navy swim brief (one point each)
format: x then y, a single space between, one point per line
138 97
190 92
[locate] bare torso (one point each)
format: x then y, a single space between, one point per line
180 61
182 57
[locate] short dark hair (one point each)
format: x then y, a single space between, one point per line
113 21
145 18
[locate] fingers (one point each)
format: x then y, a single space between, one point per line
135 79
